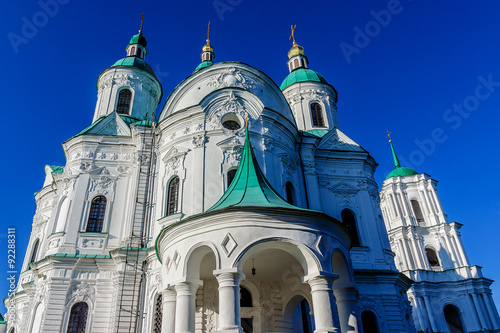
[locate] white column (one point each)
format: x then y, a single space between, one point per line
482 318
430 313
419 262
461 249
347 306
168 315
451 251
185 307
491 310
323 302
229 299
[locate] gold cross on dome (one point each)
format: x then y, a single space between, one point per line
389 136
292 36
208 33
142 21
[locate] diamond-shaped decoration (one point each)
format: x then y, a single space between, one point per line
168 263
176 258
229 244
320 246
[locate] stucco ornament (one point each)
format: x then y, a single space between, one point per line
231 77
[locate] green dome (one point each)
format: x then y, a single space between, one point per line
138 39
134 62
302 75
401 172
204 64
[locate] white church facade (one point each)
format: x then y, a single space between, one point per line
240 207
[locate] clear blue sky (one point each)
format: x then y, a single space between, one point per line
409 74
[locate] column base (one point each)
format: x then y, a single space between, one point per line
232 330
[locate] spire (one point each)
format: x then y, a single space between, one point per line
207 56
137 45
250 187
296 56
394 156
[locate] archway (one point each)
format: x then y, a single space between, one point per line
453 320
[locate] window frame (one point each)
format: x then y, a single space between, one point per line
322 114
87 316
131 102
167 201
99 208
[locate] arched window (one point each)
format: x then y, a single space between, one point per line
245 297
296 63
230 176
78 318
418 212
96 216
369 322
158 317
317 115
432 257
350 222
173 196
132 51
34 251
452 317
124 98
12 330
290 193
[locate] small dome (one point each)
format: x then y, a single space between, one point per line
401 172
134 62
302 75
138 39
295 51
203 65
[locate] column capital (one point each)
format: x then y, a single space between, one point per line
228 275
320 278
169 295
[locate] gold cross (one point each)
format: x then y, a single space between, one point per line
292 36
142 20
389 136
208 33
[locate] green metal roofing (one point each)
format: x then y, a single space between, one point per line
138 39
302 75
203 65
318 132
250 187
135 62
56 168
399 171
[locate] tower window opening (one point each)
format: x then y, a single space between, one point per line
350 222
139 52
290 193
296 63
230 176
34 251
78 318
369 322
124 99
317 115
452 317
432 257
96 216
418 212
158 314
132 51
173 196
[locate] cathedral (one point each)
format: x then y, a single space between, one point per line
238 206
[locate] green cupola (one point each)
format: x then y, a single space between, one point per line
207 54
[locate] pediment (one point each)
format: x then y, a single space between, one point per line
343 187
111 125
230 144
337 140
175 152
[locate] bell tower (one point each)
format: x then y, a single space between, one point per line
448 292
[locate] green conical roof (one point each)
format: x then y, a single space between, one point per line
204 64
250 187
399 171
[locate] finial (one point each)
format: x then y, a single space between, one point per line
389 136
142 21
394 156
246 121
292 36
208 33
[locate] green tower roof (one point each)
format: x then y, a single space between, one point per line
135 62
302 75
250 187
399 171
203 65
138 39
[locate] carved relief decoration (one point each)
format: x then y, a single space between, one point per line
174 159
80 292
231 77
